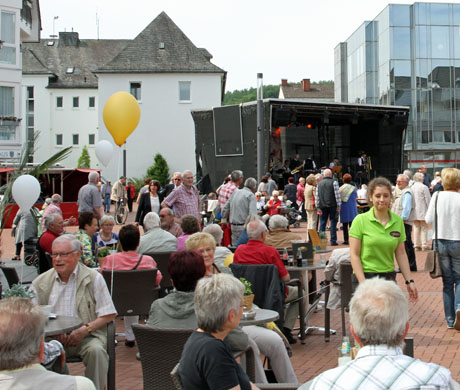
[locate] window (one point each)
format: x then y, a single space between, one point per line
75 139
76 102
184 91
30 120
59 102
70 70
92 102
8 36
91 139
58 139
6 101
135 90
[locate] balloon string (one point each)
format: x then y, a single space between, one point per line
22 262
120 158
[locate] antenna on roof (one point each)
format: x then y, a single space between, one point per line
54 22
97 25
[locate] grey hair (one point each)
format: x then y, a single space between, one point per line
56 199
22 326
93 177
68 238
319 176
327 173
408 173
107 218
215 297
236 175
379 312
278 221
419 176
168 210
215 231
255 229
405 177
250 183
186 171
151 220
250 218
275 192
50 218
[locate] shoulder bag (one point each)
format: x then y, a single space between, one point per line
432 264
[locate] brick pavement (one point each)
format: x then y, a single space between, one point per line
433 342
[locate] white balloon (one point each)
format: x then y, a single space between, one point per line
104 151
26 190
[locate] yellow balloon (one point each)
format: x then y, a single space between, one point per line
121 116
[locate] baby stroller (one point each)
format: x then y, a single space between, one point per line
293 216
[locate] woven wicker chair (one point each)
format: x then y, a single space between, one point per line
11 276
110 352
160 351
162 259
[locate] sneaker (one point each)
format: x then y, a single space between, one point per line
345 243
334 244
457 320
450 326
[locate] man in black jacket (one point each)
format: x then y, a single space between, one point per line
328 202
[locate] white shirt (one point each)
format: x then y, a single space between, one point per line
155 204
448 215
378 367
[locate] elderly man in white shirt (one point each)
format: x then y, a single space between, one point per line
74 290
155 238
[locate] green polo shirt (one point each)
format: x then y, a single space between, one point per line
378 243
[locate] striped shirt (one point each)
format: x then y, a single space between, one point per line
379 367
225 193
185 201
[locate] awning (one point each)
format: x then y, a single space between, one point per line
87 170
6 170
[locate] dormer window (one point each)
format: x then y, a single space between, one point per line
70 70
50 43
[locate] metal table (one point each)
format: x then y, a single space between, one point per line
61 324
262 317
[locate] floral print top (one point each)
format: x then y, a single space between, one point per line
87 255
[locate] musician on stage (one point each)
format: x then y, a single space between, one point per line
362 175
296 165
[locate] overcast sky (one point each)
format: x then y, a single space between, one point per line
291 39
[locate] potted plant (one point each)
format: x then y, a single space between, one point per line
19 291
323 240
248 296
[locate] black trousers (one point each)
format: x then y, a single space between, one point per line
409 245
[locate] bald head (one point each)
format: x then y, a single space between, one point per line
256 230
327 173
56 199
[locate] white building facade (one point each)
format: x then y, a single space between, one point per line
19 21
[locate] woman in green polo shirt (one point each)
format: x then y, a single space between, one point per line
377 237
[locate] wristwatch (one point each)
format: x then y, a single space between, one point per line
88 328
409 281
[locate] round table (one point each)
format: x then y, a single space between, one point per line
262 317
61 324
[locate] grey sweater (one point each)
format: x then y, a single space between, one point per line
176 311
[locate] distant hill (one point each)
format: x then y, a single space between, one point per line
250 94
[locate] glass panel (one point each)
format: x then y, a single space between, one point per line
7 133
439 14
58 139
30 106
399 15
75 139
30 92
400 74
6 101
59 101
421 48
75 102
8 29
440 74
8 55
400 43
439 42
30 120
91 139
184 91
456 12
135 90
455 33
420 13
421 68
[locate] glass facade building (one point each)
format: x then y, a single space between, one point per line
409 55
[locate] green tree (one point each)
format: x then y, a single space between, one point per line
159 170
84 161
250 94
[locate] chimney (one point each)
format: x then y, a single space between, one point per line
284 82
306 85
68 39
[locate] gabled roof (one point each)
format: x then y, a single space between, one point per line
85 57
317 91
145 54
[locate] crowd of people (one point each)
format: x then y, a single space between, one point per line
252 219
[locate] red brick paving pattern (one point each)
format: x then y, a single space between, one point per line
433 342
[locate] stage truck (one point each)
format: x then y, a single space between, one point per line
226 138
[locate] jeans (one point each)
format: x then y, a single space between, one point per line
329 212
449 256
107 203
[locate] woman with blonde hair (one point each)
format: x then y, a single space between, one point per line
309 193
448 241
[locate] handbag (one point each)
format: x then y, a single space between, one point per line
432 264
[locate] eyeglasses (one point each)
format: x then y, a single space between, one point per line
177 179
63 255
